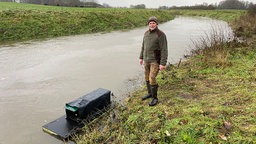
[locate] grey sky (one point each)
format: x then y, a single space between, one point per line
157 3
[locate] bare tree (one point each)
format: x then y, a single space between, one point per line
106 5
7 0
232 4
139 6
94 1
252 8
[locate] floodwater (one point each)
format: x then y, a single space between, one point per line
38 78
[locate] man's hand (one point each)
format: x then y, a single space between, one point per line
161 67
141 61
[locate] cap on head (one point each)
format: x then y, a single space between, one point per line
153 18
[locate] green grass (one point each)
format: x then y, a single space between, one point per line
198 104
205 99
23 22
226 15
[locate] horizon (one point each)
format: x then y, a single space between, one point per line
157 4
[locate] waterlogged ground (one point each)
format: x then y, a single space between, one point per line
38 78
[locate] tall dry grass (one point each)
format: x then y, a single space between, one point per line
245 26
214 48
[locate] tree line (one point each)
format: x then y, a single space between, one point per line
225 4
71 3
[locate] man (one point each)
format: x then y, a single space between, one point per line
153 56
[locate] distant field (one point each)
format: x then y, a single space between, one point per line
22 6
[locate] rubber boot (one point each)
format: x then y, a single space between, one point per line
154 101
149 95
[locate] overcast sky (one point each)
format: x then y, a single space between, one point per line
157 3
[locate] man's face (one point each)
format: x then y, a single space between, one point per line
152 25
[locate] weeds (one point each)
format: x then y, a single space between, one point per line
215 49
246 26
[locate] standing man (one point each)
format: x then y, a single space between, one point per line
153 56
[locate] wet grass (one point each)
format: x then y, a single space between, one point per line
209 98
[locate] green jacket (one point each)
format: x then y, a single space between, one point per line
154 47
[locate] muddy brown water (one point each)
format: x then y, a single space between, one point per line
38 78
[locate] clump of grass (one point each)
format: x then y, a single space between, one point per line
214 48
245 26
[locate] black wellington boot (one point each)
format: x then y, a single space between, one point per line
149 95
154 101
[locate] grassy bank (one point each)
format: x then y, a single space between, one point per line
225 15
22 22
209 98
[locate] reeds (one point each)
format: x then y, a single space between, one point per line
245 26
